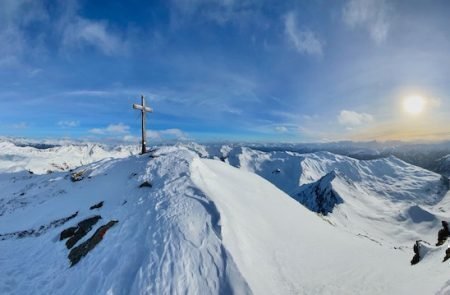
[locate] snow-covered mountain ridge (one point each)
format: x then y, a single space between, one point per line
387 199
190 225
14 158
443 166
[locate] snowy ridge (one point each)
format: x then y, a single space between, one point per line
167 240
319 196
14 158
282 248
190 225
385 199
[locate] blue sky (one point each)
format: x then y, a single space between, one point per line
248 70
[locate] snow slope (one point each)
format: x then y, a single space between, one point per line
14 158
282 248
386 200
188 225
167 239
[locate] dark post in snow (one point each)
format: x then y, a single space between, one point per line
144 109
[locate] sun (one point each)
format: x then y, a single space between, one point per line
414 104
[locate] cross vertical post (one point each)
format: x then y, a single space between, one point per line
144 109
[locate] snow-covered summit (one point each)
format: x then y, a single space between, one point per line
174 222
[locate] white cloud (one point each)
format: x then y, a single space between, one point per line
87 93
131 138
20 125
305 41
370 14
68 124
80 32
21 43
351 118
281 129
15 17
111 129
167 134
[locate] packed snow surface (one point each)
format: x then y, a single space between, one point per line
190 225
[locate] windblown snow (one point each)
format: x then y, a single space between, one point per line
175 222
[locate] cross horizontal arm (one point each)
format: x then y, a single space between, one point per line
139 107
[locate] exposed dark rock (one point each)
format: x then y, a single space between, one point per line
67 233
416 249
96 206
319 196
124 202
447 255
145 184
443 233
79 231
37 232
77 176
83 249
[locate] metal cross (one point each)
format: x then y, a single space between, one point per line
144 109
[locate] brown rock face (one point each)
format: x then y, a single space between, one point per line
83 249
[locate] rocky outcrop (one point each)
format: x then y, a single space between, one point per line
83 249
416 257
35 232
76 233
443 233
77 176
447 255
145 184
96 206
319 196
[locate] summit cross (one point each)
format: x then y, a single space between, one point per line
144 109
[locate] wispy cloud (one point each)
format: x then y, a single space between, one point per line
15 17
68 124
218 11
80 32
351 118
373 15
111 129
281 129
87 93
172 133
66 30
305 41
20 125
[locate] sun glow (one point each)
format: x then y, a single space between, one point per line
414 105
